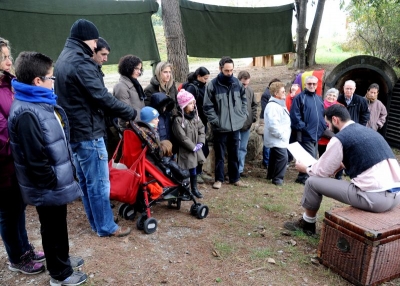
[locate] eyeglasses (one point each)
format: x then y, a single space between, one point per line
43 78
139 69
4 58
311 83
331 94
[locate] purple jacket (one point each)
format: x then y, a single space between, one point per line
7 171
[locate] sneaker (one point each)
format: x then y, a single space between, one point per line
240 184
77 278
217 185
122 231
36 256
76 261
306 227
27 267
200 179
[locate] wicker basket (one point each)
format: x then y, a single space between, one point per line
362 247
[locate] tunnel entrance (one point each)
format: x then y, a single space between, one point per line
365 70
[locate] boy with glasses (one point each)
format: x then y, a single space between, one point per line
39 136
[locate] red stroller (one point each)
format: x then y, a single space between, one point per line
159 179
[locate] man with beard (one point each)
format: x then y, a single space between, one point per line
369 161
225 105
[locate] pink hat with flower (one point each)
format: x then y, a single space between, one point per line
184 98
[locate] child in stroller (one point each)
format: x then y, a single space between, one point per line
160 177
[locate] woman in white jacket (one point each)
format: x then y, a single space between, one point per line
277 133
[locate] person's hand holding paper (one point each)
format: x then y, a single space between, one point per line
301 155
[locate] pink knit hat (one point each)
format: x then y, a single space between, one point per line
184 98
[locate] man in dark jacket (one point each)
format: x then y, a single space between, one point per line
85 99
307 120
355 104
225 105
252 105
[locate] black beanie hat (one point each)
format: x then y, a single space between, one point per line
84 30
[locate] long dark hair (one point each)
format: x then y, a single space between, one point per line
201 71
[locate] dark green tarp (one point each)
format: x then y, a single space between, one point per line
216 31
44 25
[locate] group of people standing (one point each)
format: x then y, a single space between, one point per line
54 121
54 137
341 130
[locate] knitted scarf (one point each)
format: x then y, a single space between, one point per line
35 94
138 88
226 80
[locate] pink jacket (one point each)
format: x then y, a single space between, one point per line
6 161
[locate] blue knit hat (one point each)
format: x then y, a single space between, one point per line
148 113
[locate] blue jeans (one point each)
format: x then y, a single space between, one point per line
12 223
266 152
91 162
244 140
229 140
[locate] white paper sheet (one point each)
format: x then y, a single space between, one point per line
300 154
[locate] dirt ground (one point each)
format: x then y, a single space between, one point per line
187 251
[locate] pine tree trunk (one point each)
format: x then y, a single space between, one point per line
301 7
313 39
175 39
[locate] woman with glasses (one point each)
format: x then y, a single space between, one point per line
128 89
21 254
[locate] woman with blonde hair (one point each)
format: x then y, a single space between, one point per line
162 81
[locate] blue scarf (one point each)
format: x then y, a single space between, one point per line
32 93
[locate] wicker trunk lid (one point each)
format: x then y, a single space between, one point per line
362 247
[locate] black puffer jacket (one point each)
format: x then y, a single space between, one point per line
82 94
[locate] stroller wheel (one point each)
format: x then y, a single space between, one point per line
150 225
193 208
202 211
121 209
140 221
129 212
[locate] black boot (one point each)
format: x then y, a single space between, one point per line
193 186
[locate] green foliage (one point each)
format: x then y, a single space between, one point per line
375 28
156 18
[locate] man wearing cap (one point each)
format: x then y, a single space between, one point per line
85 99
